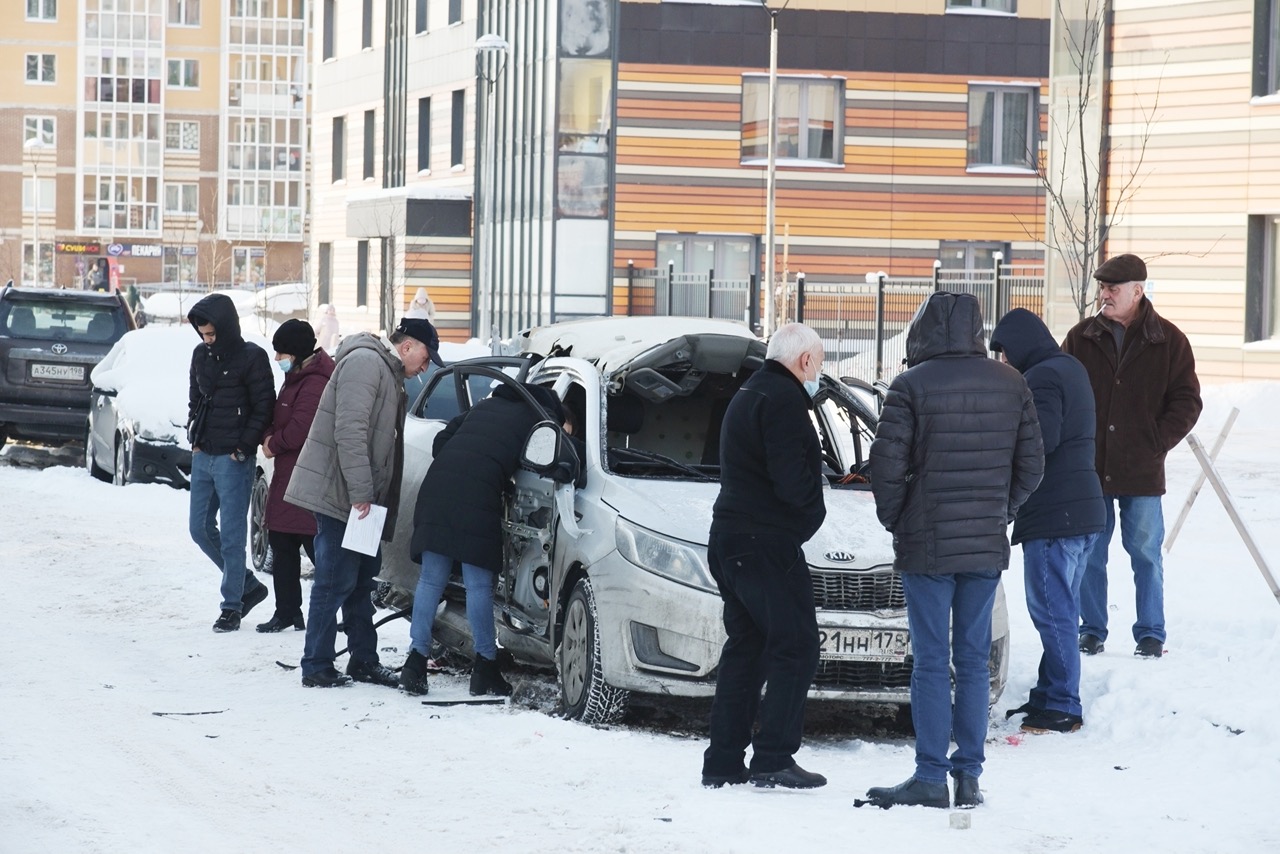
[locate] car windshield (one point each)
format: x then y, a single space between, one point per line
59 320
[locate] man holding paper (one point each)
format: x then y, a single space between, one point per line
350 464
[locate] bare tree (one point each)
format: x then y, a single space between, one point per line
1085 196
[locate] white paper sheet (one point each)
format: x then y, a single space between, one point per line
365 535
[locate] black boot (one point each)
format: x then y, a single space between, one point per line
968 795
911 793
487 679
373 673
413 675
228 621
280 622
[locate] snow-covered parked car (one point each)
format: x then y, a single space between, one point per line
608 583
138 407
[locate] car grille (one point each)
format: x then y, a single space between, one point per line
878 589
835 675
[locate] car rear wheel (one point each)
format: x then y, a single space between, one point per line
90 460
260 548
586 696
124 461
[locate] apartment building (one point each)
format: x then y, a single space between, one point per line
166 136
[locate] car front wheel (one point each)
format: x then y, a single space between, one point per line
91 460
585 694
124 461
260 547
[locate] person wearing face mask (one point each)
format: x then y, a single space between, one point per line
770 504
290 529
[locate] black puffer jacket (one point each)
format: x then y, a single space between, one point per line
770 459
459 509
232 390
1068 502
958 449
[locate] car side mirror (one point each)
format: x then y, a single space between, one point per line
547 454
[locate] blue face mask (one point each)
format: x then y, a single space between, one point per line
812 387
285 364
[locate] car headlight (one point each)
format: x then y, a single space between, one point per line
673 559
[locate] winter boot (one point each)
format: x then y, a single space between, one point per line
487 679
911 793
373 673
1149 648
252 599
1048 720
1091 645
228 621
279 622
413 675
968 795
792 777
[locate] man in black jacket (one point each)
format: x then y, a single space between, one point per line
770 504
956 453
1062 518
232 392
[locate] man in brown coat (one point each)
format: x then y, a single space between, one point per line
1144 382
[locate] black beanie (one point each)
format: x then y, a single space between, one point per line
296 338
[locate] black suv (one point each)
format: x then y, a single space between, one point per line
50 341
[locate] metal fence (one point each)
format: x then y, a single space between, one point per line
862 324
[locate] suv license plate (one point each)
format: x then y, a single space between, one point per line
864 644
72 373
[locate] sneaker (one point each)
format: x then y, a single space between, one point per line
373 673
413 675
715 781
228 621
911 793
279 623
253 598
486 678
794 777
327 678
1091 645
1048 720
1149 648
968 795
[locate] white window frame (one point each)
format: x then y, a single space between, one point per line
1032 93
43 128
182 126
983 7
48 195
45 10
181 197
40 77
802 119
183 13
188 73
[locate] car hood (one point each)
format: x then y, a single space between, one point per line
850 538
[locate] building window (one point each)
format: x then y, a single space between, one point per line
325 276
181 198
44 200
184 13
184 73
42 10
732 258
339 147
1262 279
971 255
1002 126
330 12
1008 6
1266 42
366 26
810 119
41 68
362 273
182 136
420 16
424 134
455 11
179 263
457 127
39 128
370 131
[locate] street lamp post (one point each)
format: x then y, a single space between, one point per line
491 60
31 147
770 217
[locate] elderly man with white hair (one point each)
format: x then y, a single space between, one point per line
770 504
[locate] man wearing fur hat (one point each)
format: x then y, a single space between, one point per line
353 459
1144 382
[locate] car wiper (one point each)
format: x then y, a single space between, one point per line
655 457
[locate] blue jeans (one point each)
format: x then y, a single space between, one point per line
220 489
950 621
343 579
1141 534
1053 569
426 598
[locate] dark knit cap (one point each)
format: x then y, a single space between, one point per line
295 337
1121 269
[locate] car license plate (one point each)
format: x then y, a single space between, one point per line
72 373
864 644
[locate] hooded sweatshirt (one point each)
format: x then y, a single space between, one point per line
231 389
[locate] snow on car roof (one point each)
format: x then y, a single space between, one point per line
622 337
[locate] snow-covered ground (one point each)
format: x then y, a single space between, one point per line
109 608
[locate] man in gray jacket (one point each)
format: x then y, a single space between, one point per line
353 459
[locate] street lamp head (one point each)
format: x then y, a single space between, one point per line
34 143
491 57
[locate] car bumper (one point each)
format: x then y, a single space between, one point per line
51 422
161 462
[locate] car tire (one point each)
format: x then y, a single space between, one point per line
260 548
91 461
124 462
583 691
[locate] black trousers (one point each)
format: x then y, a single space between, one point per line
286 569
773 638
